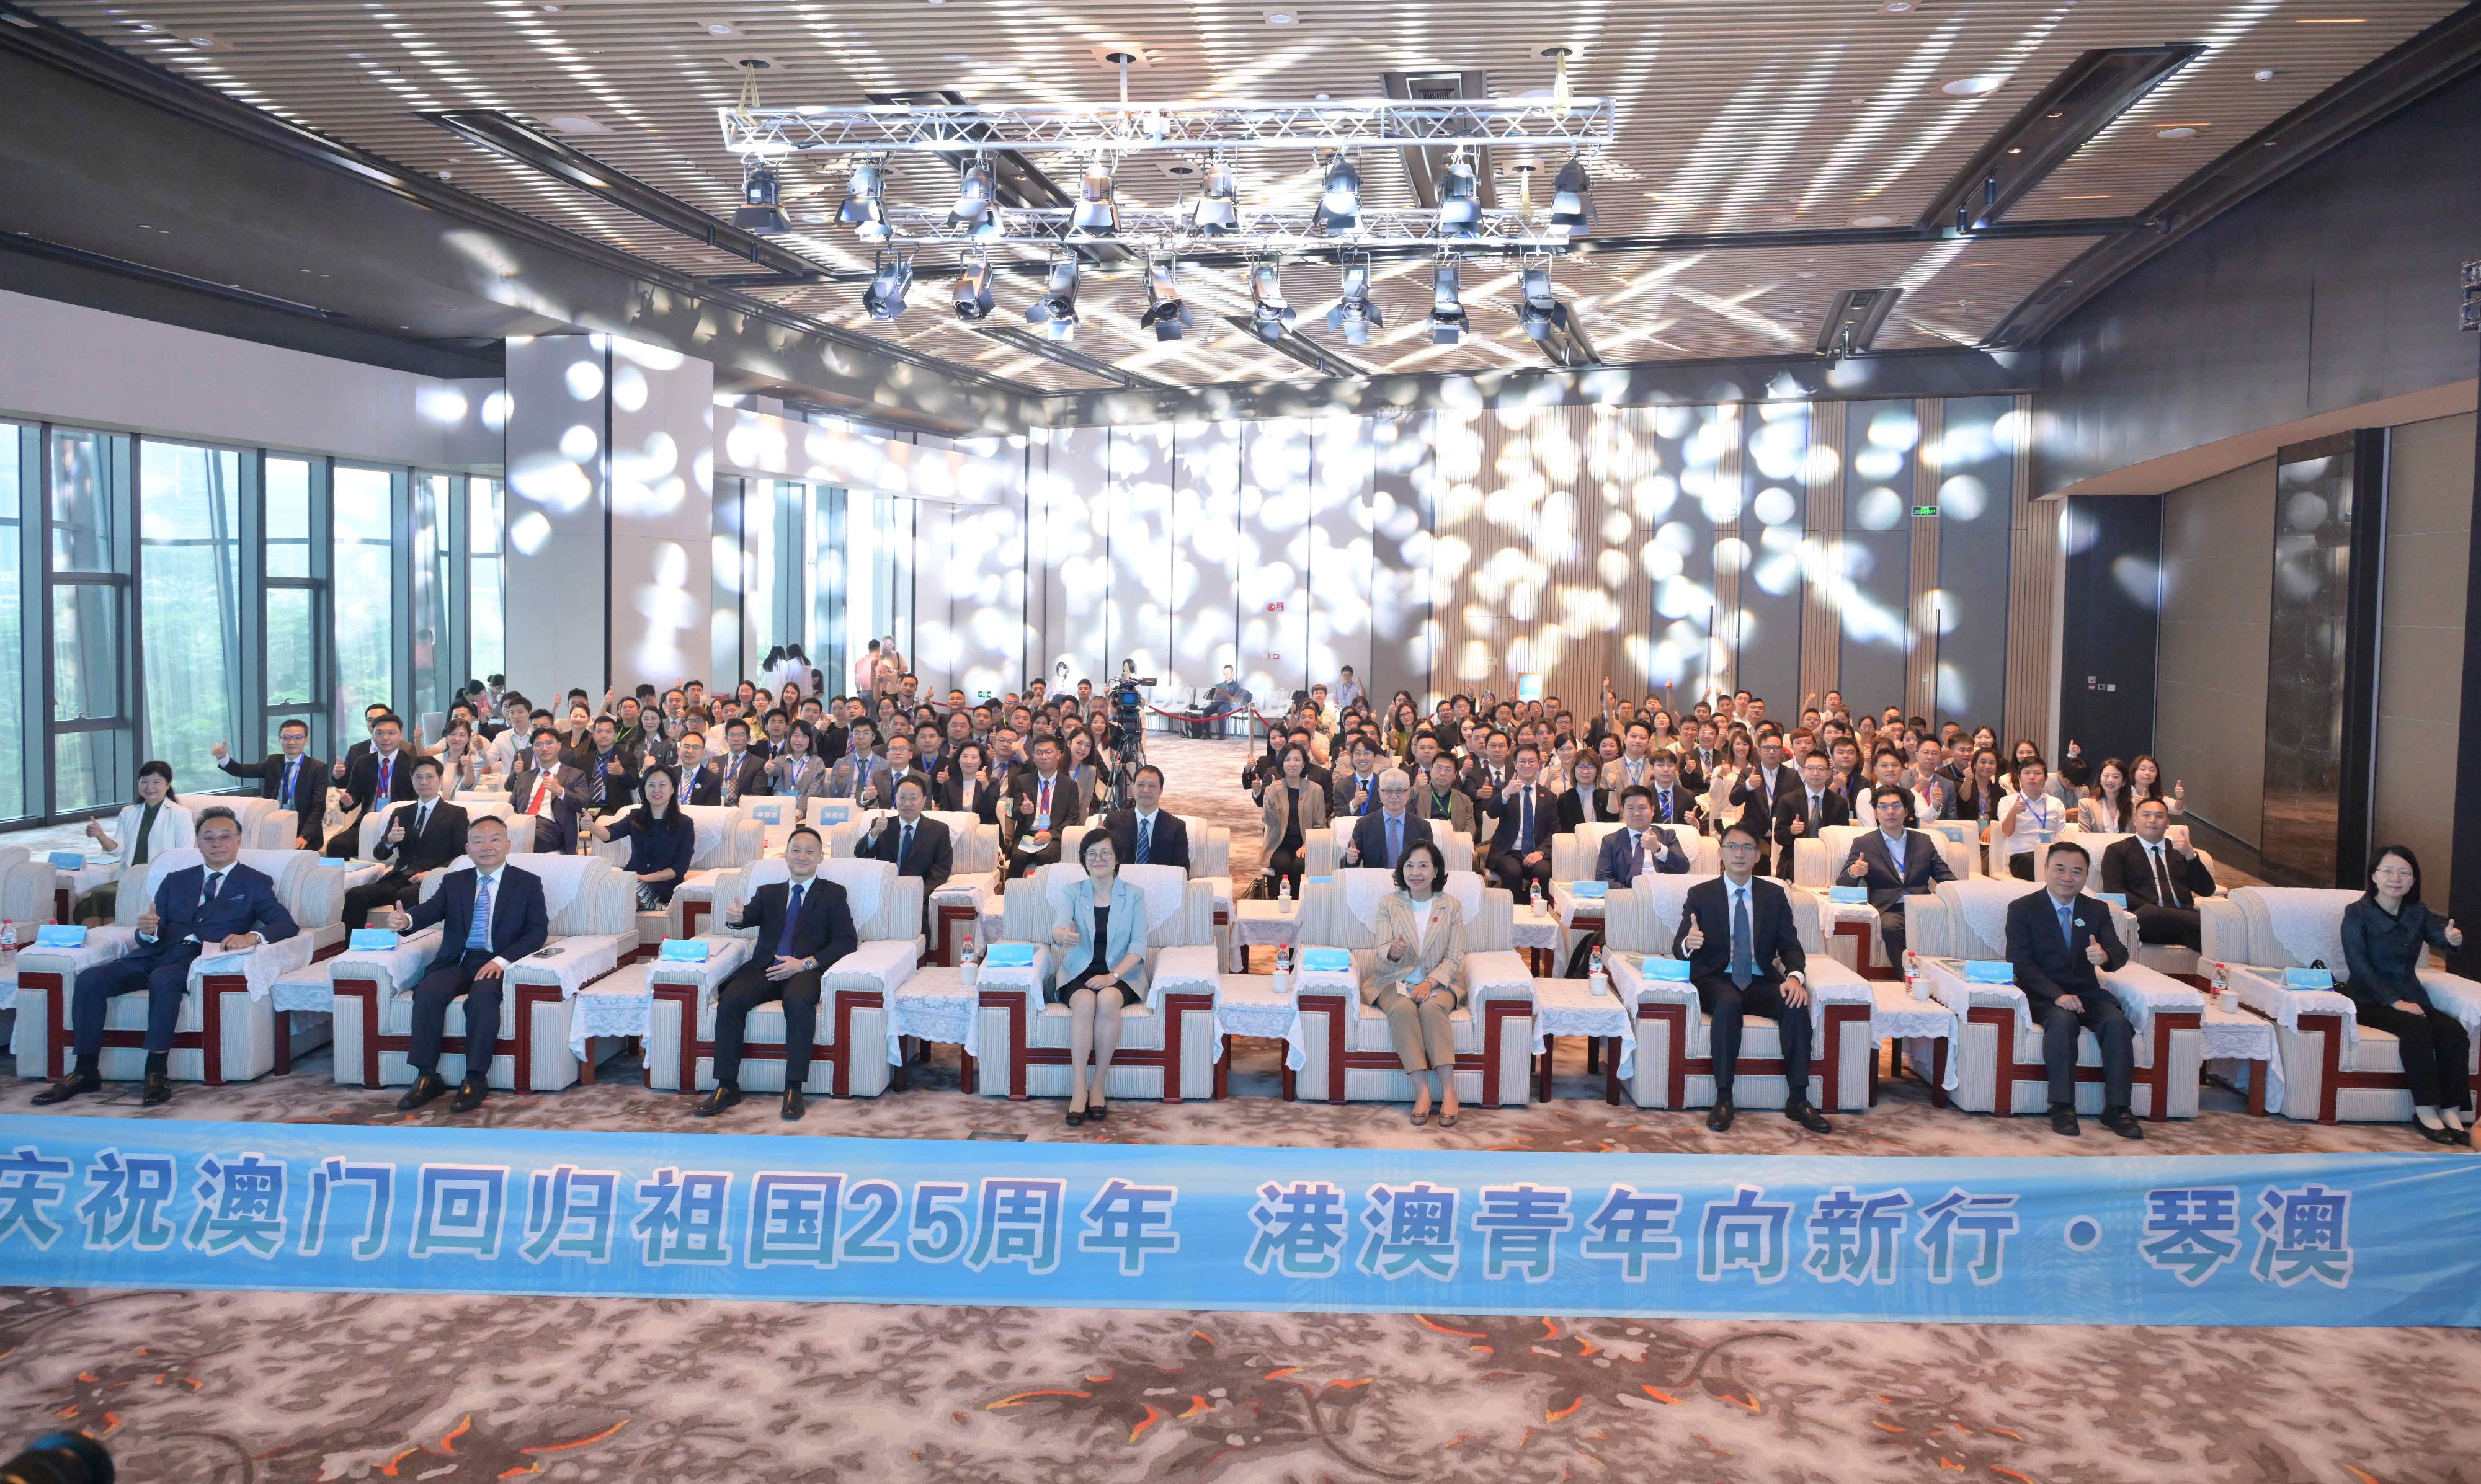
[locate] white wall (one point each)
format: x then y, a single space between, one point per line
662 492
67 363
557 493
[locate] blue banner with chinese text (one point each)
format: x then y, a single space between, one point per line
2357 1240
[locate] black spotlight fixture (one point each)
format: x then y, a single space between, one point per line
864 210
1270 314
1056 310
972 291
1165 315
891 276
1572 199
1353 313
1447 322
760 211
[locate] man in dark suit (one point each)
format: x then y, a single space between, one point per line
1802 813
1893 862
219 901
1143 834
296 780
2057 937
492 915
700 783
373 780
608 772
914 846
1640 847
419 837
546 791
1756 794
804 927
2162 878
1673 801
359 750
1527 815
1040 804
1745 958
739 770
1382 837
1355 790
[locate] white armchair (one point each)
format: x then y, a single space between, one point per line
485 804
1351 1057
2334 1068
973 881
2174 959
218 1037
1675 1064
1999 1057
265 825
1323 851
26 899
593 911
727 840
1853 929
1167 1041
848 1059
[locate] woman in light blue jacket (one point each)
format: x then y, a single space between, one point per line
1101 943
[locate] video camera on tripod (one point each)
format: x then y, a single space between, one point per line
1128 722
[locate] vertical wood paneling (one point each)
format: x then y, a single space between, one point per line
1720 672
1920 635
2033 590
1821 621
1137 609
1072 511
1273 558
1633 497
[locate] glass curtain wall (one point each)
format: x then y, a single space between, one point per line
364 575
189 602
296 600
14 802
486 579
89 620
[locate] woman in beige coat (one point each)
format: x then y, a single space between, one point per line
1295 806
1418 982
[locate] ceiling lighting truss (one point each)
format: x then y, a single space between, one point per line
1254 228
1572 124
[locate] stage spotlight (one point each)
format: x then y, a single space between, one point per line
973 202
759 211
1269 315
1056 309
1448 323
1354 313
1097 216
1536 310
1219 210
1572 199
1165 315
972 291
1460 200
863 209
889 281
1339 199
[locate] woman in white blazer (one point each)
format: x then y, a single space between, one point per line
157 822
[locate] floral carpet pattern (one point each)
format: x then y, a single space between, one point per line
308 1387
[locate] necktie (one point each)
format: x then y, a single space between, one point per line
2067 924
903 847
1665 795
1745 953
421 820
387 771
1042 809
731 786
292 770
1395 839
542 788
1369 795
2164 890
1525 817
791 919
601 768
1145 841
478 936
1642 849
1813 811
207 894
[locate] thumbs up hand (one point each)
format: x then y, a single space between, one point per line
1696 936
2454 934
1859 867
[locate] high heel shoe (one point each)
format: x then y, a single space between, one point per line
1076 1115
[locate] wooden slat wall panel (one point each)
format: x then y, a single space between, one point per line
1821 622
2034 577
1921 626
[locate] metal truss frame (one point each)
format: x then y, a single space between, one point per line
1582 124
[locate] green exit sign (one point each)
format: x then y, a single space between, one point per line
1926 510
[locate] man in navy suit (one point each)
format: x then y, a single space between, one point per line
296 780
420 838
2057 937
1164 837
1745 958
492 915
1640 847
1893 862
914 846
1382 837
219 901
1527 815
374 778
804 925
548 789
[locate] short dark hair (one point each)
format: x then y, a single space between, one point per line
1748 832
735 724
1636 790
1887 791
387 718
433 764
289 723
1151 769
375 706
798 831
211 814
1438 864
2074 848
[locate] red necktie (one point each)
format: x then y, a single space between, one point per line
542 787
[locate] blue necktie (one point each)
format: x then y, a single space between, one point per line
2067 925
1525 817
292 770
1145 841
1744 954
207 895
478 937
1395 839
904 848
791 919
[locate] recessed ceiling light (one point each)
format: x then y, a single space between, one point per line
1318 97
1873 221
2176 131
719 28
1281 17
1897 7
1974 87
2015 149
2265 75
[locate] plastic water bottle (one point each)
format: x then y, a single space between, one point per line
1537 896
1595 979
1283 967
2219 980
968 966
9 947
1284 895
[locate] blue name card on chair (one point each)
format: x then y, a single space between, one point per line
834 811
60 935
2308 978
371 940
683 951
1667 971
1589 891
1309 881
1327 960
68 860
337 861
1849 896
768 813
1009 955
1989 971
2117 900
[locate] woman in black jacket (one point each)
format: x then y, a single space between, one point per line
663 841
2386 934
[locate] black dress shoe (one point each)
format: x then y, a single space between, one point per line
2121 1122
426 1087
159 1091
69 1087
2063 1120
716 1102
794 1107
2438 1136
469 1095
1807 1117
1719 1117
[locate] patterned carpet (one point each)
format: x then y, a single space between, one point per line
236 1386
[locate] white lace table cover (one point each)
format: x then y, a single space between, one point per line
306 988
1536 929
935 1004
9 987
1566 905
622 1004
574 962
259 967
2261 990
1032 976
398 968
883 964
1257 924
2233 1033
1571 1008
1894 1015
1247 1004
2309 924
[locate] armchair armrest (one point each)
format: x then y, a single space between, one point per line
1034 976
1632 987
1493 972
571 963
2142 991
102 945
701 885
397 969
883 964
724 956
323 894
259 967
1191 966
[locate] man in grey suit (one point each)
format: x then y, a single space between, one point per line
1382 837
1893 862
1643 845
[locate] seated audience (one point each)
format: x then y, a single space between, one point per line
296 781
1894 862
2387 935
804 928
1800 814
2108 805
1745 958
916 847
1101 939
379 778
544 793
1643 846
421 836
662 840
2160 877
1040 805
2058 938
1293 807
1382 837
159 822
2030 819
1145 834
1525 816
